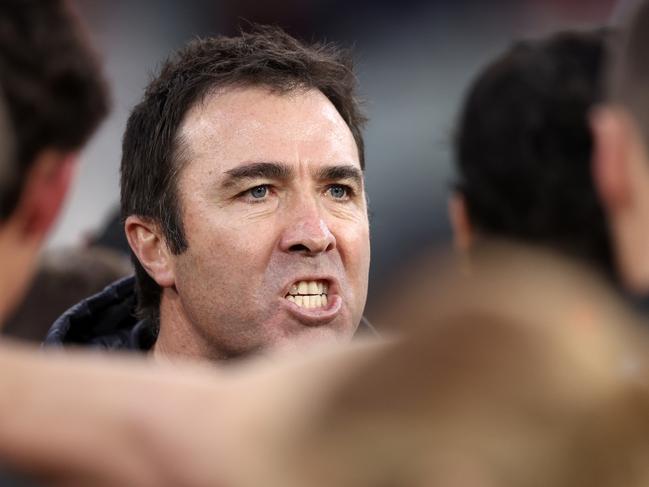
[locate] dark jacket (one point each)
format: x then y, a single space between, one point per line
107 320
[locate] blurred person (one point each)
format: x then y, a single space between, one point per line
621 160
484 390
502 380
524 150
55 97
540 172
68 275
244 204
63 277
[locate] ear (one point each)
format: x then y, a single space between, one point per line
44 191
611 151
460 223
149 246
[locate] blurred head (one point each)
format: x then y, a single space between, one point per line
55 97
483 390
524 149
243 196
7 142
621 161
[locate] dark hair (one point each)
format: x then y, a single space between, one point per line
7 149
524 146
52 83
265 56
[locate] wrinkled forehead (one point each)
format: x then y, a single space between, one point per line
237 124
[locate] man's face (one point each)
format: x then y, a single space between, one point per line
275 216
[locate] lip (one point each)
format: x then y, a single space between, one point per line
315 316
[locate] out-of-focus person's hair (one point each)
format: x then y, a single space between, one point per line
7 153
153 155
64 277
524 146
54 91
629 71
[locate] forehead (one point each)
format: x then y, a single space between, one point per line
253 124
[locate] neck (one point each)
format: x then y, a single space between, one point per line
178 337
18 263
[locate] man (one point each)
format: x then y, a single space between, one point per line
118 422
55 97
528 370
552 182
244 205
524 169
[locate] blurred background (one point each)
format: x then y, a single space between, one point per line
415 59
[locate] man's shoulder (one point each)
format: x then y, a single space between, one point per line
105 320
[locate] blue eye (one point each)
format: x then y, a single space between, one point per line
338 191
259 192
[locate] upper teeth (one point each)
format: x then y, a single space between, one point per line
309 294
309 288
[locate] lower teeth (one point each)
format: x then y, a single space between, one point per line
309 301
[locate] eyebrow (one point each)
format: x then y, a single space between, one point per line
282 172
258 170
337 173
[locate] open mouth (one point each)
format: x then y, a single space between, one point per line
309 294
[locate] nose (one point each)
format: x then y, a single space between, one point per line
307 232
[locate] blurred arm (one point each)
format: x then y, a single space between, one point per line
87 419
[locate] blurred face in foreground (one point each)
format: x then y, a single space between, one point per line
274 210
621 174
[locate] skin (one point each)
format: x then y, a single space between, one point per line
271 193
23 233
415 409
621 175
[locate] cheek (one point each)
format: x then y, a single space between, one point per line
228 248
354 247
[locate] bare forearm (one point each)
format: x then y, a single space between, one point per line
117 420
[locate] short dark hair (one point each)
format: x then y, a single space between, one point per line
7 149
263 56
524 146
52 83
